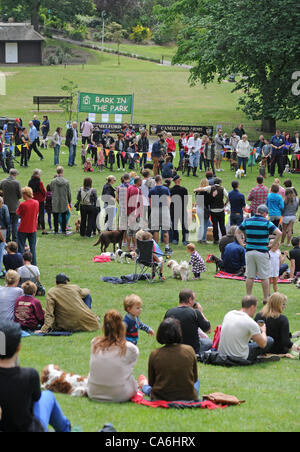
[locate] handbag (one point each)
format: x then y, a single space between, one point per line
41 291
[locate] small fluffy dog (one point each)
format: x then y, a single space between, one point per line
44 144
78 224
239 173
126 256
287 169
179 271
108 237
55 380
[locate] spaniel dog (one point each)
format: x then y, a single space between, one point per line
55 380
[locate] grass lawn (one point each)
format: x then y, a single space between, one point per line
271 390
150 51
162 93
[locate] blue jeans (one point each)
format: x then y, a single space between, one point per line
56 154
88 301
2 248
236 218
205 345
147 389
255 350
195 160
72 154
48 412
243 161
22 236
12 230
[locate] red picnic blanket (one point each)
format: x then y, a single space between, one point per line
140 400
224 275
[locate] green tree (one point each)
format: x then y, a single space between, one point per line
65 10
115 33
70 90
256 39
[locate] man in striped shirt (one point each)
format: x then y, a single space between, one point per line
258 230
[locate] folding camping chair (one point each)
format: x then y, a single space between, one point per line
145 261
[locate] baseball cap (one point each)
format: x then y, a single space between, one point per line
61 278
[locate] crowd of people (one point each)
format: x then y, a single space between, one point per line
150 207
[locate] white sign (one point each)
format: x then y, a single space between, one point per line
92 117
2 84
105 118
118 119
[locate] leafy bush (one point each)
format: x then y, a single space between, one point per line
79 34
140 34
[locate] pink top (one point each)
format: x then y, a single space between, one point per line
87 129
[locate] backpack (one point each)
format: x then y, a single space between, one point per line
85 197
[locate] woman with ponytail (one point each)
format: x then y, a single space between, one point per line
112 361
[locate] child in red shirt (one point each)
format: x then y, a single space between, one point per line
28 310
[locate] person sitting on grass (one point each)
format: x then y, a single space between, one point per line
295 257
111 364
8 295
277 324
239 328
191 317
172 369
12 260
133 307
25 409
28 272
28 310
68 308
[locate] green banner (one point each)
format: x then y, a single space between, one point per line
105 103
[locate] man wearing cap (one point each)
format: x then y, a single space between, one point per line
258 230
178 211
12 194
68 308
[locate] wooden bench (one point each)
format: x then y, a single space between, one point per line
48 100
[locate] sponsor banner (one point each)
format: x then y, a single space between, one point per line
115 127
177 129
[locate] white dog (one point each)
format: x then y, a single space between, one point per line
128 256
55 380
44 144
112 256
239 173
179 271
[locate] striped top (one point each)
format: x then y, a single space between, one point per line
257 230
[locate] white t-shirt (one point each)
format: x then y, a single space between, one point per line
237 330
275 263
25 273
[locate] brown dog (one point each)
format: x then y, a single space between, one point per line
108 237
78 224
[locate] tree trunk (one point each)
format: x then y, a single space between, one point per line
268 125
35 14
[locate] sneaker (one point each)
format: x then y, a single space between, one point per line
186 243
268 358
175 242
168 251
142 381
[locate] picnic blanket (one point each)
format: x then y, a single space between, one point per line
139 399
224 275
127 279
101 259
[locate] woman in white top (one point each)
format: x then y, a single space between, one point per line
9 295
112 362
57 140
243 152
